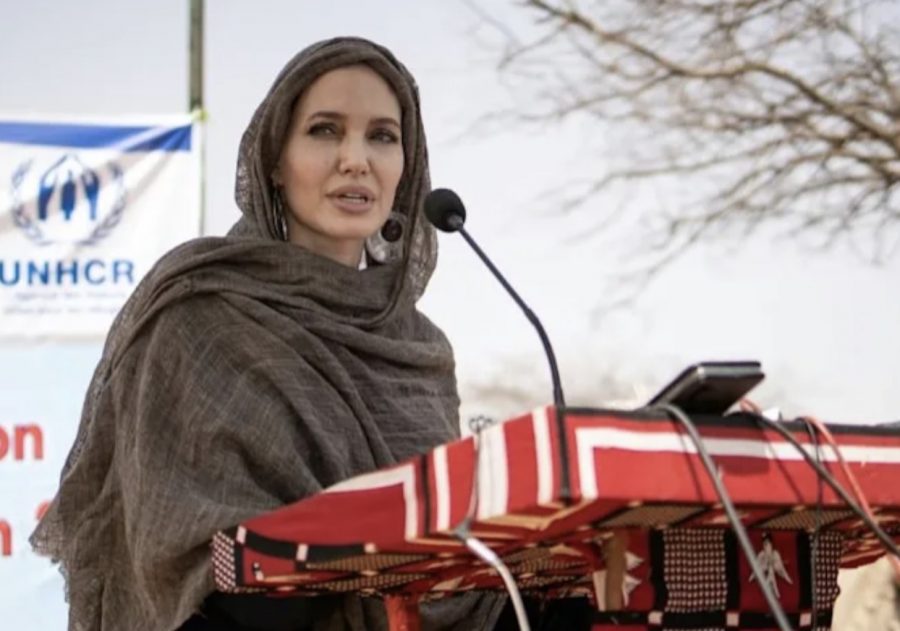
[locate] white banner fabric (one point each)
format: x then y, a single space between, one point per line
86 208
42 388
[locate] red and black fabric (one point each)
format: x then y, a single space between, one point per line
703 581
550 492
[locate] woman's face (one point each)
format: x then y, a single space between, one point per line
341 162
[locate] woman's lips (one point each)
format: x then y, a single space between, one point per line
351 204
352 199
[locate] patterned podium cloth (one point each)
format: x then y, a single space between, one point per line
552 492
699 579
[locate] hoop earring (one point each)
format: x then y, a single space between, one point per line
386 245
279 206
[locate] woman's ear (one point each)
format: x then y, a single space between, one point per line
276 178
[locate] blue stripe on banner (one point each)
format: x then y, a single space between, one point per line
124 138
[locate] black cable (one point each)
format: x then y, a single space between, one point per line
558 398
829 479
814 551
739 530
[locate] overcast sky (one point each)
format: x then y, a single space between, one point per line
824 325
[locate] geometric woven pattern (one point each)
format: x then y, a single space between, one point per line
806 519
363 583
694 570
650 516
553 495
828 555
223 562
705 583
366 562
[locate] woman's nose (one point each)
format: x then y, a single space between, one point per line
354 156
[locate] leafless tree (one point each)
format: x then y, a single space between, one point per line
779 112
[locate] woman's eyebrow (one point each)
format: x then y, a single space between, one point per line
332 115
327 114
386 120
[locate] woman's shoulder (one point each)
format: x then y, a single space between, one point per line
173 294
199 314
425 327
201 252
194 327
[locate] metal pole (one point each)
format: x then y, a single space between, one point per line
195 96
196 61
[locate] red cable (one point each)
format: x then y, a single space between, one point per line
851 478
746 405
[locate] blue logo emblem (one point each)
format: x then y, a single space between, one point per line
68 202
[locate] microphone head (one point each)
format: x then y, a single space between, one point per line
445 210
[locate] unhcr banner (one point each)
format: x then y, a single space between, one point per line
42 387
86 208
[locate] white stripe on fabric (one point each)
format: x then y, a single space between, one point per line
588 439
441 489
543 455
614 438
493 481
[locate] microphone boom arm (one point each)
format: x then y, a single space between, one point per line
558 399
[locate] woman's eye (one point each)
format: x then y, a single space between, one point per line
323 129
385 136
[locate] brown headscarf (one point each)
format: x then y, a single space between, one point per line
245 373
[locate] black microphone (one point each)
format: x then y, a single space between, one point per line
445 210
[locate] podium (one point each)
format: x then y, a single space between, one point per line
611 506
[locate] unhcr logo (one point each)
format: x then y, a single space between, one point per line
67 202
70 204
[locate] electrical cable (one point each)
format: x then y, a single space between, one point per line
490 557
739 530
851 478
829 479
817 527
463 531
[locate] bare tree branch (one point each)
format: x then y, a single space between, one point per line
784 109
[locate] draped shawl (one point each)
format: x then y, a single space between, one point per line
245 373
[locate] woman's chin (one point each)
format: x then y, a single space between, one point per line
355 228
